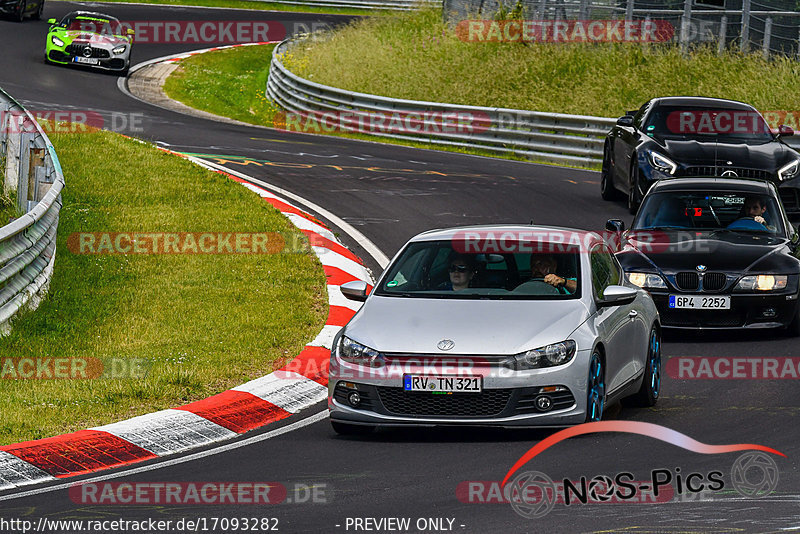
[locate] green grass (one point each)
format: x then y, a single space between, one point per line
200 323
416 56
259 6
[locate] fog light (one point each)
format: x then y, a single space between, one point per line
354 399
544 403
769 312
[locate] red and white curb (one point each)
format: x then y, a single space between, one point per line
296 386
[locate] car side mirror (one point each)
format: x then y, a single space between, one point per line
355 290
785 131
51 21
617 296
615 225
627 121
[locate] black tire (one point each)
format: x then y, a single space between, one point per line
607 189
633 195
595 389
343 429
40 11
21 16
651 383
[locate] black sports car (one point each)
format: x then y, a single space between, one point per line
714 253
19 9
693 136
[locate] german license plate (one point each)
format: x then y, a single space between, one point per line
86 60
442 384
699 302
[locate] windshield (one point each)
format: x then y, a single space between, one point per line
704 124
103 26
442 269
704 210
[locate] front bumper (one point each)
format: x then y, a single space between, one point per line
747 311
116 63
508 398
9 7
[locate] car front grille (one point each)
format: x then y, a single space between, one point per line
700 318
77 50
717 171
714 281
687 281
488 403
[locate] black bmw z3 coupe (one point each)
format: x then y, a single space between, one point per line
714 253
694 136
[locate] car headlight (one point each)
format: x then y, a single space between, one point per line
789 170
762 282
119 49
56 41
549 356
647 280
359 354
662 163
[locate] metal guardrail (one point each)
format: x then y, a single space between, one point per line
32 172
551 137
394 5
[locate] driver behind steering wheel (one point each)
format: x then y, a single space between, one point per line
756 208
543 267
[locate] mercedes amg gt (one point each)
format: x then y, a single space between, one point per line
693 136
89 39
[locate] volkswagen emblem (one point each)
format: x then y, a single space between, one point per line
729 173
701 268
446 344
87 51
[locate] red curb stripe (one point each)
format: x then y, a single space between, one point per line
238 411
339 315
283 207
313 363
78 453
318 240
337 276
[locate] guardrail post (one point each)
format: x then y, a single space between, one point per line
745 37
767 38
629 10
14 141
25 144
542 9
686 20
36 175
723 33
583 10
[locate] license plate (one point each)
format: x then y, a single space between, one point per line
442 384
699 302
86 60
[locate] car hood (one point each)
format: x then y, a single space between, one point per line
416 325
766 156
722 251
94 39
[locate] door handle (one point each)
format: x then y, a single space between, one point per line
633 314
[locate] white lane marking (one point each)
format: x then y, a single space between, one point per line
175 461
16 472
325 338
335 298
168 431
379 257
290 391
329 258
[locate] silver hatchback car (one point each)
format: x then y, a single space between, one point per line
515 326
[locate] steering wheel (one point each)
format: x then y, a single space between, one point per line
536 286
746 223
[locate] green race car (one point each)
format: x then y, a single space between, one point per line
89 39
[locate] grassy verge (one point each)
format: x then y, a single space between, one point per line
200 323
260 6
415 56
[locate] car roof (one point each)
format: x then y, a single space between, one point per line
89 14
587 237
705 182
701 101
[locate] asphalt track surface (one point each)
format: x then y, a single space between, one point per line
390 193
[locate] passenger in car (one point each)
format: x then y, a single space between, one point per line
462 269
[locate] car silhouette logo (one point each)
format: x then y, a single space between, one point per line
729 173
701 268
87 52
446 344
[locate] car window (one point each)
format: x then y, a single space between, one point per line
605 271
